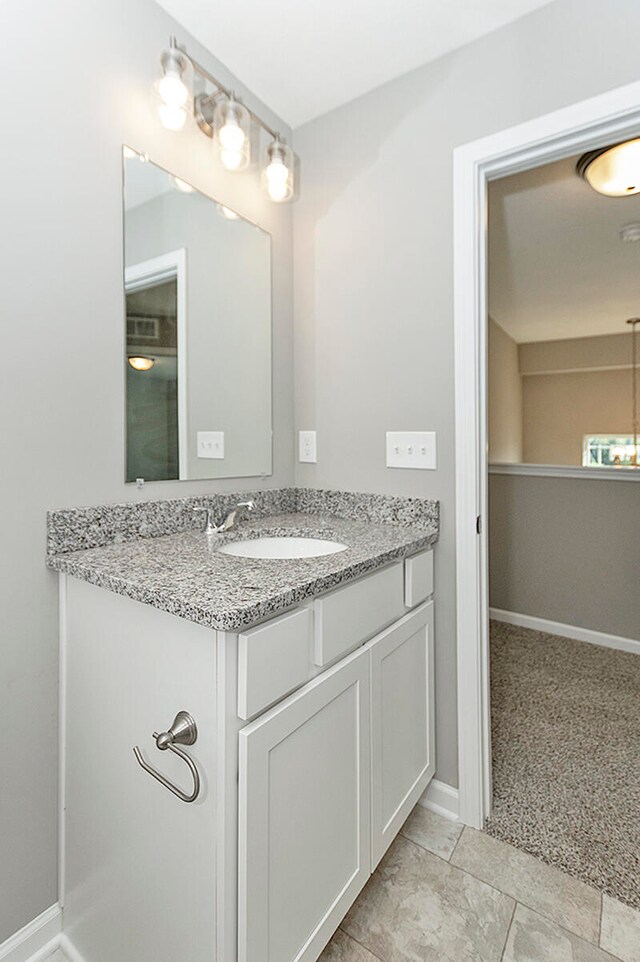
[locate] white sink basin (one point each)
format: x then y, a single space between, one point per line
287 547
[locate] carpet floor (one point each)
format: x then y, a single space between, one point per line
565 719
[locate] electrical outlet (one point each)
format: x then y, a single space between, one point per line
307 446
210 444
411 449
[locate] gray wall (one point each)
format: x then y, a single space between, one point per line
373 257
76 79
567 550
505 397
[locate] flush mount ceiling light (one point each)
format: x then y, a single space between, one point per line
613 171
140 363
221 116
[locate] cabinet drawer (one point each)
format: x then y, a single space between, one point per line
273 659
418 578
349 616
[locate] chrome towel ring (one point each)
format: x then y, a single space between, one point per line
183 731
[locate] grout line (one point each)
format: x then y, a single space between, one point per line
506 941
358 942
453 850
600 920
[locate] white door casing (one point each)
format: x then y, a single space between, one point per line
601 120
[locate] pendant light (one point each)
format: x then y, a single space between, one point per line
613 171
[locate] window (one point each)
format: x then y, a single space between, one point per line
607 451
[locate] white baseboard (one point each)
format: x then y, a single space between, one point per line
566 631
441 799
36 941
70 950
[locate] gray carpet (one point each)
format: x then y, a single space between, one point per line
566 755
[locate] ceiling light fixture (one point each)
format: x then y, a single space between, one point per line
613 171
221 116
140 363
630 233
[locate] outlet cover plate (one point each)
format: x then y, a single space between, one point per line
307 447
411 449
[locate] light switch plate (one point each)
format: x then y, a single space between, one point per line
307 447
210 444
411 449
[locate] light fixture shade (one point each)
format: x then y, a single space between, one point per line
613 171
173 91
140 363
278 175
232 134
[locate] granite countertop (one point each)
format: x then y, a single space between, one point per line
185 574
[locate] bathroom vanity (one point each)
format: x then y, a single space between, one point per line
311 683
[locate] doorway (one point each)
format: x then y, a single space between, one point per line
607 119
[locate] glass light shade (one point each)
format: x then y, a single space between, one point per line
182 185
232 134
172 91
227 213
277 176
140 363
615 171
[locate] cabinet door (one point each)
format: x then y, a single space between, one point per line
402 723
304 814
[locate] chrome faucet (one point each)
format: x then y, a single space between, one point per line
229 520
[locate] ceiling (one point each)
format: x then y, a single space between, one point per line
557 266
305 57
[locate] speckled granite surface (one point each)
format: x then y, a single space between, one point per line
184 573
74 529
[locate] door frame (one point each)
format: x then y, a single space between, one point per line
167 267
607 118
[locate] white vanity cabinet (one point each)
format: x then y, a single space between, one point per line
315 740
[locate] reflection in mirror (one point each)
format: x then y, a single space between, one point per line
198 333
563 348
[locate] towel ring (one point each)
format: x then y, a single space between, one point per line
183 731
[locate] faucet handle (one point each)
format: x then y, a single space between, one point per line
209 527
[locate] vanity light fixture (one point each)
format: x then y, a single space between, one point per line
278 173
140 363
613 171
227 213
232 129
182 185
173 90
221 116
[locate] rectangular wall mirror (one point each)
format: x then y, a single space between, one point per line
197 285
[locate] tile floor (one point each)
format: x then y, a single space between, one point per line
447 894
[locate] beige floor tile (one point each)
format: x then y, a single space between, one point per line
433 832
533 938
620 933
342 948
418 908
559 897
